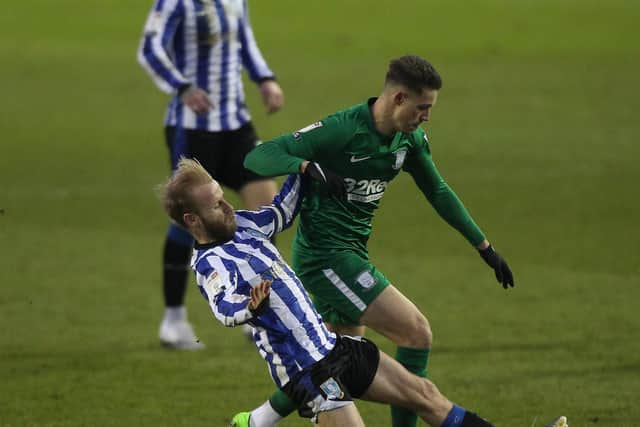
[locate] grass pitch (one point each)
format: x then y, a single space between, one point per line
536 129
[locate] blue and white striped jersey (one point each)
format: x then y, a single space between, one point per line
205 42
288 331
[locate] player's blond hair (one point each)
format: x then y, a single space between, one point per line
176 192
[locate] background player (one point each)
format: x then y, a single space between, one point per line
195 50
357 152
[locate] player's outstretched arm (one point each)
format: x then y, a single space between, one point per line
421 167
280 214
285 153
444 200
272 159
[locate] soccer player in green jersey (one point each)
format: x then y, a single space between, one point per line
353 155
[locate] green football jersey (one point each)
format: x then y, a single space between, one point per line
348 143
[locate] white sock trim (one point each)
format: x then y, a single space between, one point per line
175 314
264 416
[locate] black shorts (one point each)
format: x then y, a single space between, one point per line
345 374
221 153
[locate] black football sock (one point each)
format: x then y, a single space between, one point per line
175 271
473 420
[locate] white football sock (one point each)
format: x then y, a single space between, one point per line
264 416
175 314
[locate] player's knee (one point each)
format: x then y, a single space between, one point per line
419 334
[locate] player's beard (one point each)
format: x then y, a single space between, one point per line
222 231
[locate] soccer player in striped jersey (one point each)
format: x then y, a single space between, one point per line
359 151
195 50
245 280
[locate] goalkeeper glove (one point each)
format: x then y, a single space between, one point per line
499 265
333 182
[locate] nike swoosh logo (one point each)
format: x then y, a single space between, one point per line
355 159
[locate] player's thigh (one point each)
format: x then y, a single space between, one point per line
396 317
343 286
347 416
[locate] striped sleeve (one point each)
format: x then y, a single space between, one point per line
252 58
158 32
280 214
218 284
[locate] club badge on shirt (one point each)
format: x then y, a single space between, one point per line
214 284
277 270
366 279
400 156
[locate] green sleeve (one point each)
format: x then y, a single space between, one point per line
283 155
444 200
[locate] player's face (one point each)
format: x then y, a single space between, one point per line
215 213
413 109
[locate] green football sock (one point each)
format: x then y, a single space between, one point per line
415 360
281 403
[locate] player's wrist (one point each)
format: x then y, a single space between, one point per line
184 87
483 245
303 166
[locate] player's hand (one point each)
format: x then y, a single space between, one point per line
499 265
272 95
196 99
259 294
334 182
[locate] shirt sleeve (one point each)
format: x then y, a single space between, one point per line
420 166
153 54
280 214
284 154
252 58
218 285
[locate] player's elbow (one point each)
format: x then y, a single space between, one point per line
252 160
142 60
144 52
227 320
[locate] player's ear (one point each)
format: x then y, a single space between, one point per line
399 97
190 219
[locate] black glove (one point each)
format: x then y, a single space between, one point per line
499 265
333 182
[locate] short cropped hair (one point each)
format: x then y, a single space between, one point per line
176 192
413 72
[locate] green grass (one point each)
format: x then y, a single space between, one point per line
535 128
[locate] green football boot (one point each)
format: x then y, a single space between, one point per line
240 419
558 422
